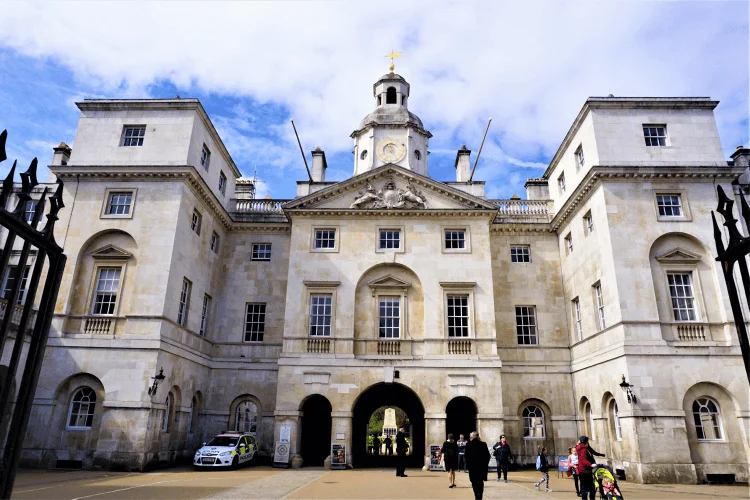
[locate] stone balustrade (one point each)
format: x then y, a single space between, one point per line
523 209
15 318
389 347
259 206
97 325
459 347
318 346
691 332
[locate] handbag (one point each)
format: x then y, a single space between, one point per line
442 460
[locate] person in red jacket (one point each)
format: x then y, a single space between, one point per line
585 462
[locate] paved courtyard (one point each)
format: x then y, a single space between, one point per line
265 482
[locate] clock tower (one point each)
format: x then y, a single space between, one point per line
391 134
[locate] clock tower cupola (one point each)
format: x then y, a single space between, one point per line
391 134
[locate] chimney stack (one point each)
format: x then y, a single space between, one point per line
61 154
319 165
741 157
463 164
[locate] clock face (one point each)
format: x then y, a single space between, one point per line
391 150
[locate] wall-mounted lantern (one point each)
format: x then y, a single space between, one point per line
158 378
628 389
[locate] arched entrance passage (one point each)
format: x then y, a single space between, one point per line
393 395
315 444
461 417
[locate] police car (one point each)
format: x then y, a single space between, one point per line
228 449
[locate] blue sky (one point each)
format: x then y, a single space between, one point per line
529 65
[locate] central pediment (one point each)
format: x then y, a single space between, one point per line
389 188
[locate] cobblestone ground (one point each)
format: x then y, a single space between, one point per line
264 482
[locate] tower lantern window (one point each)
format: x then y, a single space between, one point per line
390 96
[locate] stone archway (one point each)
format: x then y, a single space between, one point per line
315 440
461 417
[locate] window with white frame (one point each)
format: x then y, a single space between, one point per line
520 253
255 321
389 317
195 222
616 421
166 415
205 311
132 135
561 183
526 331
681 293
29 210
184 306
222 183
588 223
569 244
320 315
707 419
119 202
455 239
669 205
458 316
246 418
81 411
325 238
389 239
533 422
600 305
205 157
11 275
214 242
655 135
106 291
261 251
577 318
580 160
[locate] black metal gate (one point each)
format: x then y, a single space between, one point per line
19 313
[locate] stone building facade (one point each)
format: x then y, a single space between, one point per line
514 316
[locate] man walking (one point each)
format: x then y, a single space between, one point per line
478 459
388 442
461 452
401 448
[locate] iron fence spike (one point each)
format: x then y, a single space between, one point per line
3 138
7 186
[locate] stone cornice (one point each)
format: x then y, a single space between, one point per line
384 212
516 227
615 173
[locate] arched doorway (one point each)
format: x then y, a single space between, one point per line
315 444
461 417
390 395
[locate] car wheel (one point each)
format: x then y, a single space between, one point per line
235 462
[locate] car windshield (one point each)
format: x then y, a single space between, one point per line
223 441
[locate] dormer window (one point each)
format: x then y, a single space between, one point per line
390 96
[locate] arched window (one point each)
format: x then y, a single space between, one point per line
589 420
390 96
380 100
533 422
246 417
707 419
616 420
167 411
81 412
363 155
417 154
403 100
193 411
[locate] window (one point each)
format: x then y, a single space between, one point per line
81 412
580 161
455 239
561 183
681 293
616 421
119 203
195 222
222 183
417 154
707 419
246 418
533 422
132 135
182 312
588 222
107 287
600 305
28 212
389 317
11 275
389 238
363 155
167 411
458 316
320 315
577 318
261 251
325 238
655 135
205 157
589 417
214 242
193 415
526 325
255 322
205 310
670 205
520 253
390 96
569 244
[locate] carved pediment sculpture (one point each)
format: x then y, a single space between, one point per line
390 196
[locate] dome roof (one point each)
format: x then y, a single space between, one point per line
391 115
391 76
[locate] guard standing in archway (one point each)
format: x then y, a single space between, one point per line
401 448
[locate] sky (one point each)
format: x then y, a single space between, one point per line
530 65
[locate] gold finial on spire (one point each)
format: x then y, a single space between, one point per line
393 55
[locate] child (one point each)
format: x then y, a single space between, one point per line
609 489
573 468
542 465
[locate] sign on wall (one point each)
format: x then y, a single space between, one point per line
338 456
285 434
493 461
435 457
281 454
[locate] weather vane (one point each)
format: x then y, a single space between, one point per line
393 55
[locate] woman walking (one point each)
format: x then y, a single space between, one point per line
573 468
586 462
502 453
542 465
450 459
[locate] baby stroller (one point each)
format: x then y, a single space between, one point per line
600 472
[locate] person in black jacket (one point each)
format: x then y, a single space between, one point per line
478 459
450 459
401 448
502 455
542 465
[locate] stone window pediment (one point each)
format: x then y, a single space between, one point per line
388 284
111 252
678 255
